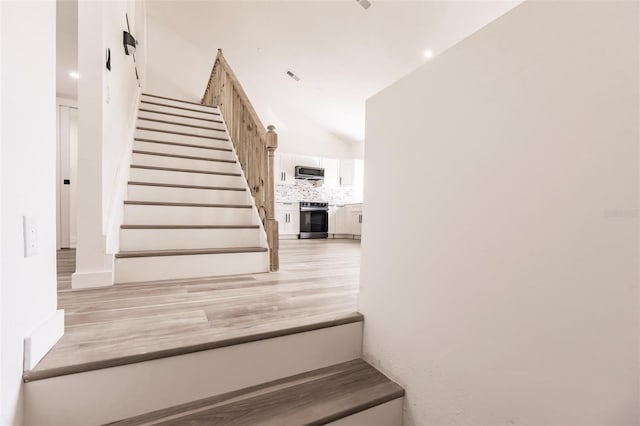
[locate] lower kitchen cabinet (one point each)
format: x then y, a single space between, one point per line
345 221
288 217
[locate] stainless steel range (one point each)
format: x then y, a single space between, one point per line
314 220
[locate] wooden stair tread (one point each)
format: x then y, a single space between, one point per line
312 398
189 226
176 100
182 144
174 123
186 157
172 132
177 185
177 107
173 169
217 340
179 115
187 252
167 203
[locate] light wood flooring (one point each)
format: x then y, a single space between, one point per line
317 285
313 398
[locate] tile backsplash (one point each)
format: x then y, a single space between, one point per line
303 190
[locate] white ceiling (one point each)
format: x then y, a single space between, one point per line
342 53
66 47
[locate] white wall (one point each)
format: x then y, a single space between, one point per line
28 176
500 275
107 102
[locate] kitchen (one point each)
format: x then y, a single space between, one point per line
318 197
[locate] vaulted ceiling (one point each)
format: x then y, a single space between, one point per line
342 53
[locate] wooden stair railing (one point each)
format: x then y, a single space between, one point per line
254 145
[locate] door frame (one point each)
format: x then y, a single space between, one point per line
60 147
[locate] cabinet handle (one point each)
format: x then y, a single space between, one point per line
340 180
287 219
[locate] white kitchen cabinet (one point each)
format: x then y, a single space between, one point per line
284 168
347 172
288 217
356 220
342 224
331 172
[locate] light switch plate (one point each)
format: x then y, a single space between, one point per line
30 230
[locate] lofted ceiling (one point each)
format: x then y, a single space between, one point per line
342 53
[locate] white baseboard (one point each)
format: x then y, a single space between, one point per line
92 279
42 339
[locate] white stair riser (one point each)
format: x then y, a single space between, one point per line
169 102
185 178
103 396
186 195
169 109
167 239
184 163
183 150
387 414
182 215
141 269
191 140
210 131
185 117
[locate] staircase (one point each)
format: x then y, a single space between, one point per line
200 350
189 211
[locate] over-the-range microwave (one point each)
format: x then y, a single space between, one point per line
309 173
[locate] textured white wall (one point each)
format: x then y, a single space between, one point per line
500 264
28 176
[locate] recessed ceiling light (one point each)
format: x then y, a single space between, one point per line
428 54
74 74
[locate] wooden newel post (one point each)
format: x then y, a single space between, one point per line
271 225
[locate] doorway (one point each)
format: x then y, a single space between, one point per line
67 174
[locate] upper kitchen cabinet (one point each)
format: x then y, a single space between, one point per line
284 168
352 173
331 172
347 172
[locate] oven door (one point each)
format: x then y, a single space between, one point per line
314 224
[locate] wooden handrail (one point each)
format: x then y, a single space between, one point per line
254 145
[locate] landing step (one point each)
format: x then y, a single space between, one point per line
163 203
172 169
173 185
189 145
179 115
317 397
177 107
176 100
188 252
186 157
150 129
175 123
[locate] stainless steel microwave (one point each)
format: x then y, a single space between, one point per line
309 173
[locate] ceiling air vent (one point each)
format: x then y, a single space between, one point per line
293 76
366 4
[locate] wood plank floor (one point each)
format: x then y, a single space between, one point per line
317 285
313 398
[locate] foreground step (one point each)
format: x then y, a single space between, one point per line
318 397
112 389
154 265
